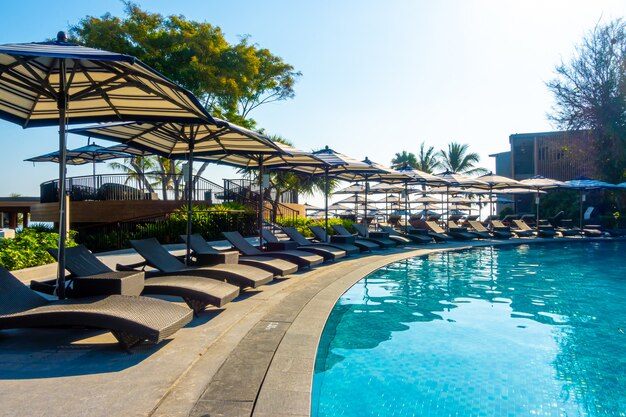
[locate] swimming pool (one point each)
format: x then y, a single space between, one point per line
510 331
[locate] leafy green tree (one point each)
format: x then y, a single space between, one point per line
404 158
458 159
590 93
427 159
230 80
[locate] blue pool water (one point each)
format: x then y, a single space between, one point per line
515 331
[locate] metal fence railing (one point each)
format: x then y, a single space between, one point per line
148 186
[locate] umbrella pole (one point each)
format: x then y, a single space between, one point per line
582 198
365 209
326 201
260 220
62 106
189 198
537 202
406 206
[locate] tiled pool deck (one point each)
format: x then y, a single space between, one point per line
255 357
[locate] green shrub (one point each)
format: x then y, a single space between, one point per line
302 224
28 248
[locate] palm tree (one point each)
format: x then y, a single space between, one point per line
136 168
427 160
404 158
457 159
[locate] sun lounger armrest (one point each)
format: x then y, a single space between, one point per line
132 267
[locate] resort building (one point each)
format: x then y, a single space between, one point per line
561 155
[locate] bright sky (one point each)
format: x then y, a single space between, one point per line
378 77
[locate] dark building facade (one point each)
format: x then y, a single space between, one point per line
558 155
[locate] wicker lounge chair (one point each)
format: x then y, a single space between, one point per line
198 292
130 319
202 249
384 240
478 227
302 258
338 242
415 238
297 237
158 257
368 244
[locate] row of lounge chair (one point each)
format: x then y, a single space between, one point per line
215 278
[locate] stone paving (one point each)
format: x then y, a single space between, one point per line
254 357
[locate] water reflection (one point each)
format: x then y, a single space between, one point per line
554 286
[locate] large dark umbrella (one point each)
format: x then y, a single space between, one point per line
57 83
91 153
215 142
583 184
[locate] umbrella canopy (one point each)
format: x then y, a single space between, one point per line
456 179
421 177
129 150
82 155
101 86
498 181
56 83
351 189
173 139
311 207
425 199
584 183
213 141
540 183
337 206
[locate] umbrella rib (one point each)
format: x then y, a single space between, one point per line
128 72
26 83
36 99
97 87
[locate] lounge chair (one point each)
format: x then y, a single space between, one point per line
542 231
455 228
436 232
197 292
414 238
347 245
159 258
326 252
301 258
497 233
202 250
545 231
454 218
130 319
358 241
301 240
383 239
459 233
